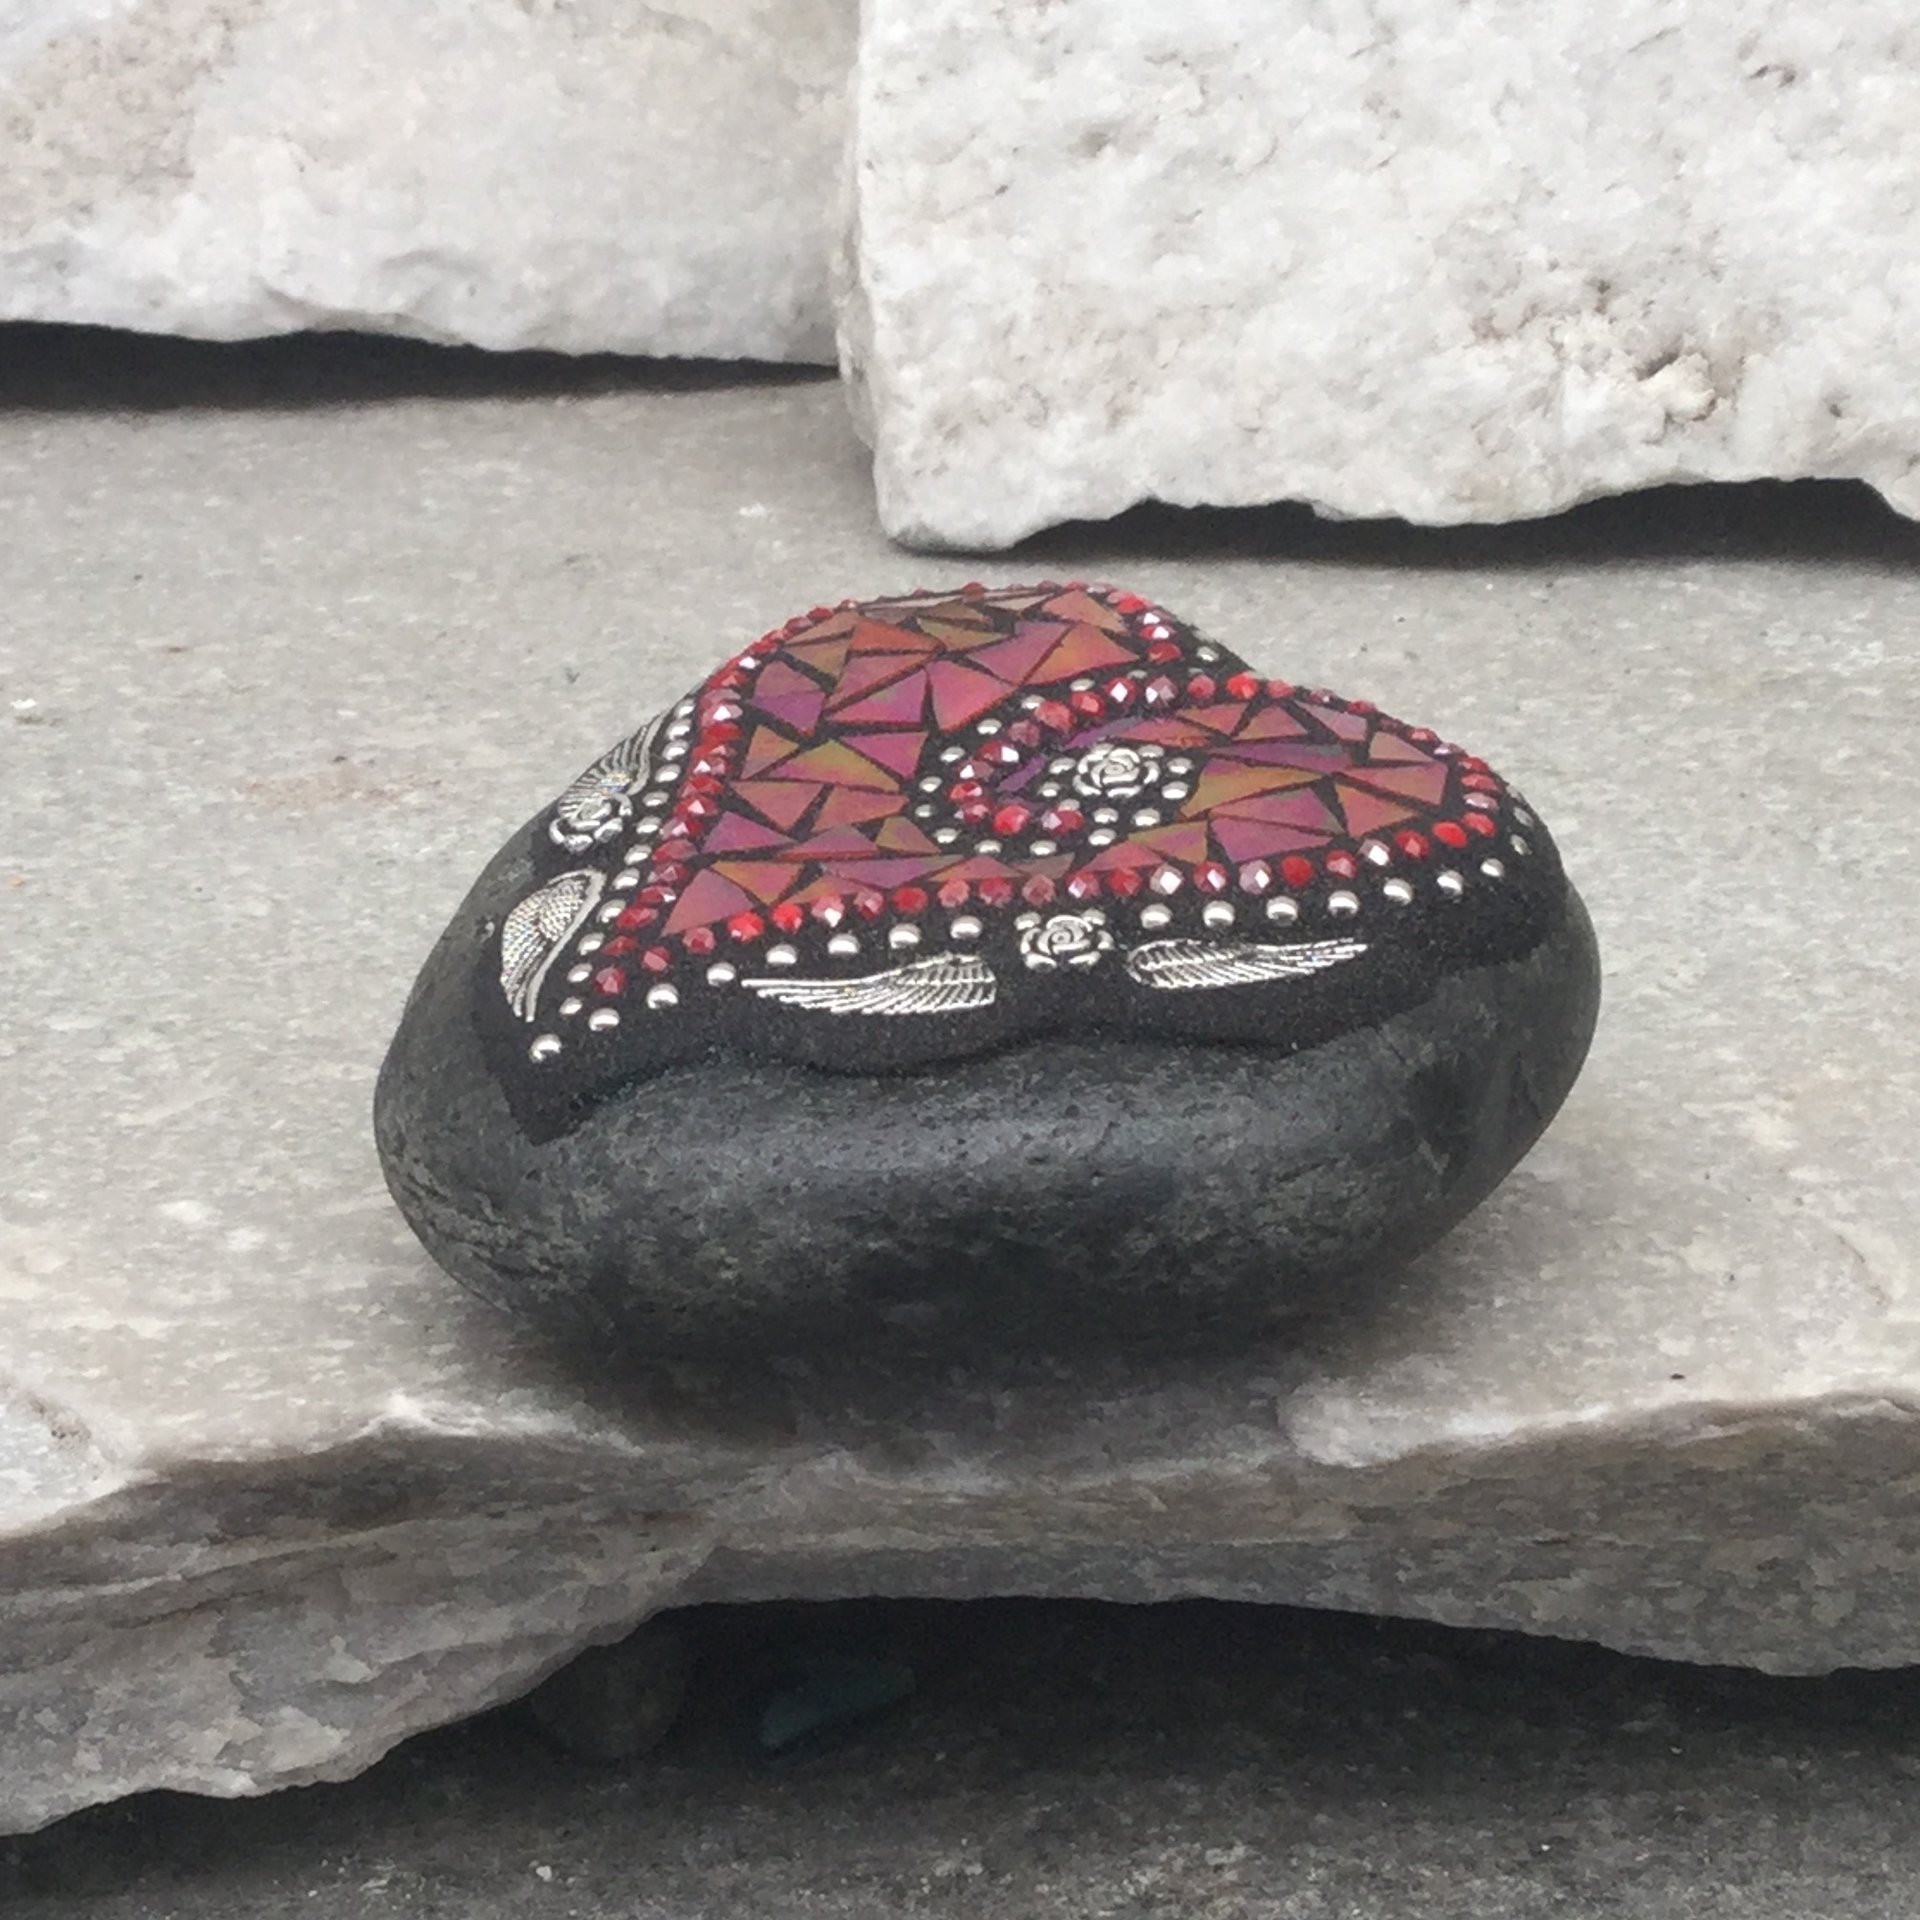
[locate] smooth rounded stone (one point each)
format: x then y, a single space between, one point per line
616 1702
985 970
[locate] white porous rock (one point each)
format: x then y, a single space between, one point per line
1395 258
573 174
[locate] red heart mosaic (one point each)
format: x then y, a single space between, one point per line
896 831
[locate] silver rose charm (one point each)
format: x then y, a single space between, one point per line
1114 770
1064 939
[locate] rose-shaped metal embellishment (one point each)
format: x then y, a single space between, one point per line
1064 939
1115 770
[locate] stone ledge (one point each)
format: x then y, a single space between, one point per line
275 1492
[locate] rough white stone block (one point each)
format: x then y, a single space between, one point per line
575 174
1396 258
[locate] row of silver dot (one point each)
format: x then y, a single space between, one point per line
1218 915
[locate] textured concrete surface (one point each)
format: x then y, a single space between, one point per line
517 173
1065 1762
1446 263
279 667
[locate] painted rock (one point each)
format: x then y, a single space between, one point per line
1007 968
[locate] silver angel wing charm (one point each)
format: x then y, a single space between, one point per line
598 803
1179 965
947 983
534 932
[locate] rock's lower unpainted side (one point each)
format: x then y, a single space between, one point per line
1063 1194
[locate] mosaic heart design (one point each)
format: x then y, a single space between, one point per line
898 831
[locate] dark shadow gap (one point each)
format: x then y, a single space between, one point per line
1824 522
1054 1733
63 369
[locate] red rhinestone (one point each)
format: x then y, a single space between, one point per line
909 900
720 735
1087 703
1202 686
702 783
1412 845
964 790
1480 824
1167 881
1023 733
630 919
973 770
1472 763
697 806
819 613
1012 818
1002 754
1038 891
798 624
1161 692
1244 686
1361 706
619 947
975 813
1481 782
1083 885
656 896
996 890
1450 833
1424 737
1343 866
674 850
1128 603
1054 716
699 940
1124 882
1063 820
667 873
974 590
1163 653
656 959
956 893
1120 693
1255 877
829 910
1211 877
1279 689
610 981
1296 872
789 916
868 904
744 927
